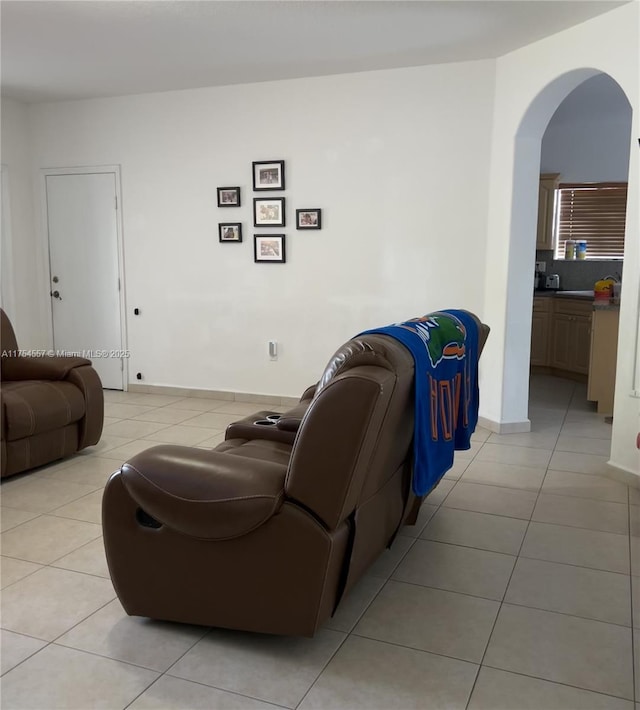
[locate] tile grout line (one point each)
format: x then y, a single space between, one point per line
351 633
53 641
347 636
166 671
166 674
47 644
143 691
565 685
57 559
518 604
162 674
506 589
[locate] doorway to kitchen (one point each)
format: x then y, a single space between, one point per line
585 155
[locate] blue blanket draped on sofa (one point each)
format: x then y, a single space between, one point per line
444 345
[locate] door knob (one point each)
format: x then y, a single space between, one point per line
56 294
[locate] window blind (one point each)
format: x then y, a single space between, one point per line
594 212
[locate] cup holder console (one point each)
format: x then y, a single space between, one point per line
267 425
270 420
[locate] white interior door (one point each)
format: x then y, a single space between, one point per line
83 255
7 300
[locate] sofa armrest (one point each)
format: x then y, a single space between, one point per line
40 368
309 393
204 494
86 379
291 419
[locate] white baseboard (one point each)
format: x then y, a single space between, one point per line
277 400
623 475
505 427
214 394
180 391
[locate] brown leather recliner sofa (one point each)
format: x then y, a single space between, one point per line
267 531
51 406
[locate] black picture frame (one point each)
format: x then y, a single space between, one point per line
269 212
268 175
228 197
309 218
269 248
229 232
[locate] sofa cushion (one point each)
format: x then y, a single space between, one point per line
39 449
38 406
259 449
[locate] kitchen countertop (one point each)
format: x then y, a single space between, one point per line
584 295
580 295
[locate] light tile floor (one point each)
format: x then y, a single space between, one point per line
519 588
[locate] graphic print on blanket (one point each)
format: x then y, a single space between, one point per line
444 336
444 346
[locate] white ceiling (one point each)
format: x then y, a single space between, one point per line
56 50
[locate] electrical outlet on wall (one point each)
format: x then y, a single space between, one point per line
541 266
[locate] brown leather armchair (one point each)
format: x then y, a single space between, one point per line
51 406
266 533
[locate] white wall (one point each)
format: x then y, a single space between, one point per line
606 158
25 296
530 84
587 139
387 155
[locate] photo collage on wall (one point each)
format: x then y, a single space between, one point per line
268 211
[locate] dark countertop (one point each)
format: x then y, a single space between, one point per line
579 295
550 293
584 295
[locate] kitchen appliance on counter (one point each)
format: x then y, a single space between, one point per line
552 281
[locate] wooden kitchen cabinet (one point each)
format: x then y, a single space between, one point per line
546 210
604 352
582 352
571 335
561 336
540 326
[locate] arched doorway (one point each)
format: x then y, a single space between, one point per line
585 164
522 229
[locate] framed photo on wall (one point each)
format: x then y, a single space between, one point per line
228 197
268 175
229 231
269 248
309 219
268 212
